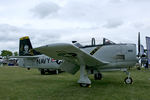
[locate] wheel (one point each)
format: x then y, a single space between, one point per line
28 68
42 72
128 80
84 85
138 68
98 76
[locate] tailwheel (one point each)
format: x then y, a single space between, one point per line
84 85
128 80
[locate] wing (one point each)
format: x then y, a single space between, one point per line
72 56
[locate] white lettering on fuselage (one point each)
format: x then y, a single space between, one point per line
45 60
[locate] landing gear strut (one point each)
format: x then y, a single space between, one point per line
84 81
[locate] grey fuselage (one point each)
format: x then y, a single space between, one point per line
116 56
42 61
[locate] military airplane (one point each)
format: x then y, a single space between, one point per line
93 59
35 59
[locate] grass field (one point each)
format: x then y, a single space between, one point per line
21 84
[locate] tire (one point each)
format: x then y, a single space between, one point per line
138 68
98 76
128 80
84 85
42 72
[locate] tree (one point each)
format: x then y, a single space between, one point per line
6 53
16 53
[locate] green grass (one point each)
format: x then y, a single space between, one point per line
21 84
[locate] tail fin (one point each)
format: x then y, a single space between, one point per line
25 47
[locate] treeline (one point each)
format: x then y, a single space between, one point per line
5 53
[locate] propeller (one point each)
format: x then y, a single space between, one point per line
139 51
141 56
139 45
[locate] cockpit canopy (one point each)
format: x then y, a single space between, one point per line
93 43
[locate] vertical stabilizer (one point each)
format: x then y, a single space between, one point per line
25 47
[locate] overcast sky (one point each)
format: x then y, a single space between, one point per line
53 21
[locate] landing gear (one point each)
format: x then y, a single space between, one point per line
128 80
42 72
28 68
49 72
138 68
84 81
84 85
98 76
57 72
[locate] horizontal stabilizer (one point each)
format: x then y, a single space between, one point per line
28 57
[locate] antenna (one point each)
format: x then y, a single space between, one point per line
93 42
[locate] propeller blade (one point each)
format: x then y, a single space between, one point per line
139 43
